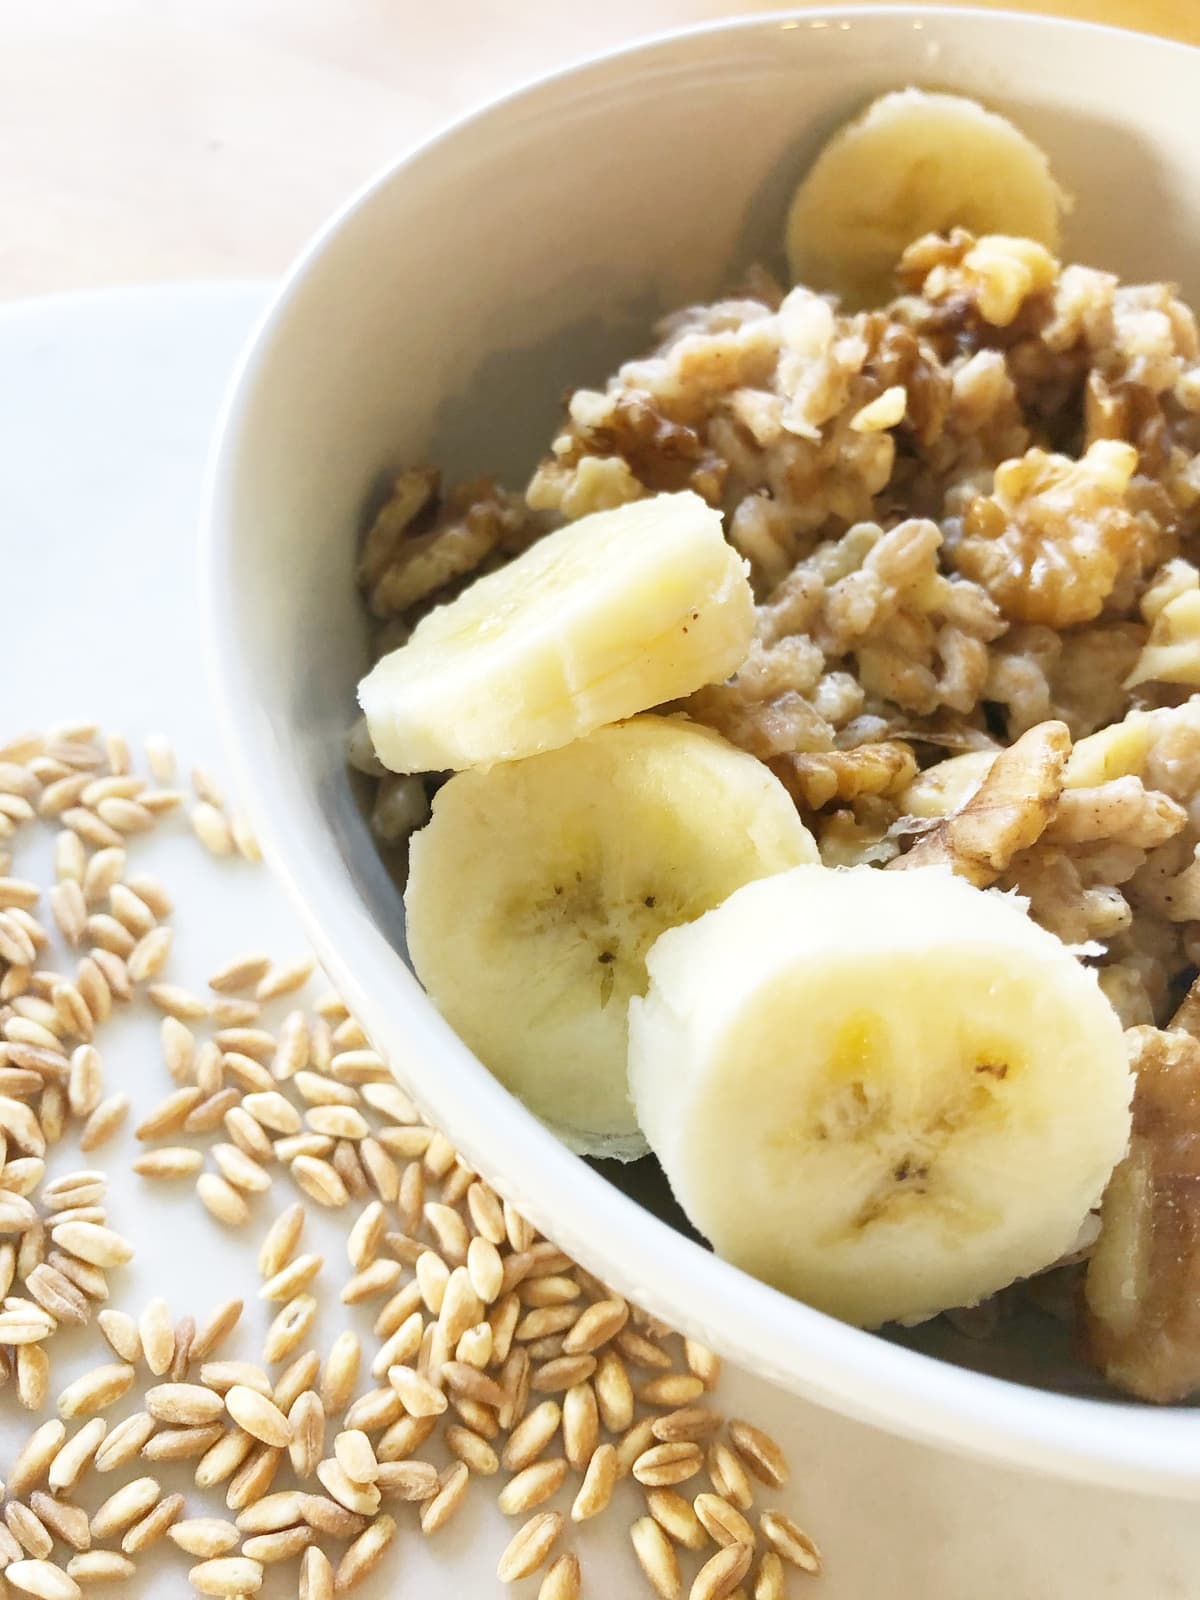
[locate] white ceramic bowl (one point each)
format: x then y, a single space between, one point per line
440 316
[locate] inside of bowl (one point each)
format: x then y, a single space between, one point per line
529 253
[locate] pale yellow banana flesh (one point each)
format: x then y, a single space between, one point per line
914 163
611 615
538 886
887 1094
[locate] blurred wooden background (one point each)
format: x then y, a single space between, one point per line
152 139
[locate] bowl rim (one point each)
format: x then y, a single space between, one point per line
1110 1442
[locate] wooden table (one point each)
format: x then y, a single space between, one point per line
152 139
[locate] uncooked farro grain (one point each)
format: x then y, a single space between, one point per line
205 1536
124 1507
316 1576
96 1390
721 1574
529 1547
789 1541
440 1507
123 1442
222 1200
533 1486
760 1453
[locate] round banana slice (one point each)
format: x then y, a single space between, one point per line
914 163
886 1093
613 614
537 888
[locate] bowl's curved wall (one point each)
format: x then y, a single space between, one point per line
440 317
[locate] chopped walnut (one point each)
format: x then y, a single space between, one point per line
1142 1301
824 777
411 492
1006 814
1051 541
409 567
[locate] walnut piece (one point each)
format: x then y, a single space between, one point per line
1142 1301
1006 814
1055 536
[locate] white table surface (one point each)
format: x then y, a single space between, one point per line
106 405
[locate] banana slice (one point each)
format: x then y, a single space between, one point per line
537 888
887 1094
914 163
608 616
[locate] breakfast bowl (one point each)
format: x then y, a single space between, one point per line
440 317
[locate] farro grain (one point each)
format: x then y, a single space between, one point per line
474 1349
316 1575
362 1498
327 1516
318 1090
354 1454
85 1084
284 1545
289 1328
299 1375
96 1390
256 1042
88 1278
122 1443
114 973
729 1476
43 1580
185 1338
529 1547
182 1444
420 1397
400 1346
218 1328
437 1511
157 1334
125 1507
151 1528
283 979
531 1436
690 1422
104 1122
241 1170
100 1566
381 1408
546 1321
365 1554
502 1320
243 972
258 1415
307 1419
70 858
533 1486
28 1529
69 909
252 1480
124 815
248 1135
33 1376
222 1375
722 1521
170 1161
514 1380
291 1279
222 1200
243 838
580 1424
159 801
319 1180
721 1574
228 1012
341 1371
131 910
232 1576
461 1307
656 1557
208 1115
249 1075
674 1389
35 1456
315 1145
92 1242
223 1458
432 1275
554 1376
550 1289
760 1453
177 1002
106 933
349 1168
186 1405
149 956
211 827
150 890
381 1277
204 1536
366 1235
282 1509
789 1541
59 796
170 1113
677 1516
640 1351
53 1291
